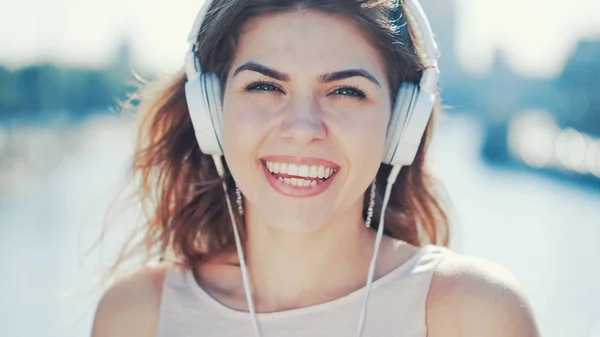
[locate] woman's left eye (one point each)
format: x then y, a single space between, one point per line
350 91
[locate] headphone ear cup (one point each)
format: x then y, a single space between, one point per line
413 109
213 93
203 96
398 117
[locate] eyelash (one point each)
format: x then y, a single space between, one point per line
255 86
359 93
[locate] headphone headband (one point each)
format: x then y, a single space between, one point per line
416 18
192 64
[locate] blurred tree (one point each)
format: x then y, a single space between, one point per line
47 92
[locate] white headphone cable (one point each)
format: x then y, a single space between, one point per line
388 190
240 252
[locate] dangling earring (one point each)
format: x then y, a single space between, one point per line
371 205
239 201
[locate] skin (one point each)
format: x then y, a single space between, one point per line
302 116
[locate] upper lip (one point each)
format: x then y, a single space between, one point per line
301 161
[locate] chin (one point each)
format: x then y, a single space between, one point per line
299 222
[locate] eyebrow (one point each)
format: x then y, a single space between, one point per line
259 68
340 75
325 78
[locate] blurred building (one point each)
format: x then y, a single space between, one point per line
578 101
442 16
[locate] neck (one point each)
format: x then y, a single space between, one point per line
290 271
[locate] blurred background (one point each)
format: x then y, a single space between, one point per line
518 149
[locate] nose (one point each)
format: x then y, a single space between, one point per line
302 123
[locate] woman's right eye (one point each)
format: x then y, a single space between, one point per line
262 86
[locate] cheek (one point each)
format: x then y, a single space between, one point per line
244 128
364 140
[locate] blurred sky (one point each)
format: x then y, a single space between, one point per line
536 35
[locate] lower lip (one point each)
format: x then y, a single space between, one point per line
297 191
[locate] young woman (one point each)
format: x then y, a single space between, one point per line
315 105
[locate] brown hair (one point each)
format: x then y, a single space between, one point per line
179 185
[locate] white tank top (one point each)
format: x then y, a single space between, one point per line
396 307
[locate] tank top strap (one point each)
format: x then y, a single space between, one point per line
429 258
178 304
413 289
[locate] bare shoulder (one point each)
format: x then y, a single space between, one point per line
130 307
474 297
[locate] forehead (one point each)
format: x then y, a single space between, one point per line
307 41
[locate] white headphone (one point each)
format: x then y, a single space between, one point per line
410 115
411 112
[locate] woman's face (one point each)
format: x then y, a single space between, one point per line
306 108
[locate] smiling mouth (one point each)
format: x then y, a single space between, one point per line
300 175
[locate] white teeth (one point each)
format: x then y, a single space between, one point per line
298 182
321 172
304 171
292 169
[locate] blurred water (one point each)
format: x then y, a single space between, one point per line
544 231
